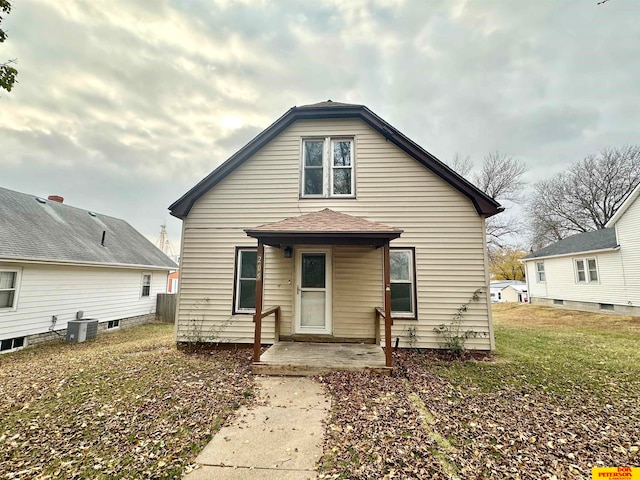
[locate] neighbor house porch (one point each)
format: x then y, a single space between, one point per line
317 244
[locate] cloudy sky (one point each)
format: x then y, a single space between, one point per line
122 106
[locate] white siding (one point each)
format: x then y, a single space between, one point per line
391 188
561 281
102 293
628 231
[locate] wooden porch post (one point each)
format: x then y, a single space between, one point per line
257 317
387 305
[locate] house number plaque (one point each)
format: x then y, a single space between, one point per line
259 268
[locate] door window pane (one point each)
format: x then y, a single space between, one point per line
313 270
312 311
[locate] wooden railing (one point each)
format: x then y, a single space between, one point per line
379 315
273 310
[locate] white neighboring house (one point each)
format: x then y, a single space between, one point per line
595 271
508 291
56 260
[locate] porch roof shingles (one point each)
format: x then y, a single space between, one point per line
325 225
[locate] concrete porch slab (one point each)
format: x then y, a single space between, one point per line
306 358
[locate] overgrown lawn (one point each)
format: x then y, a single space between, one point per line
127 405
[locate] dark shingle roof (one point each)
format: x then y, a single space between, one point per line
582 242
335 110
52 231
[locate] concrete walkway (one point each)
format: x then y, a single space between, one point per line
280 438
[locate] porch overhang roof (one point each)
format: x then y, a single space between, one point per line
326 227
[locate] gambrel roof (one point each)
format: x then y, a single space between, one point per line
483 204
41 230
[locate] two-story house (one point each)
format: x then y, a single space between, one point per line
341 221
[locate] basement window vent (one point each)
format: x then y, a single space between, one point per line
113 324
606 306
558 302
11 344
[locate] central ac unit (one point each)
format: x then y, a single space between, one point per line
81 330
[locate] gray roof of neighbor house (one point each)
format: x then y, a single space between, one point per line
603 239
33 228
484 204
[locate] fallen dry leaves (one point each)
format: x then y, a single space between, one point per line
128 405
556 401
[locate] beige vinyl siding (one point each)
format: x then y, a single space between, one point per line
391 188
357 290
102 293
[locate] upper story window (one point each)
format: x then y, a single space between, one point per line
327 167
540 275
586 270
9 281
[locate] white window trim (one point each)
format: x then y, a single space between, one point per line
412 279
587 271
16 295
538 272
142 284
236 306
328 166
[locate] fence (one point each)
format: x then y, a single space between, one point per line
166 307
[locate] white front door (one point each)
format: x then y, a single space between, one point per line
313 291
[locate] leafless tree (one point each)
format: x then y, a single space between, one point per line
585 197
500 177
462 165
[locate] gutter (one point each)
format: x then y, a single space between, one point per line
571 254
42 261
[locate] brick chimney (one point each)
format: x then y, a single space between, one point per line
56 198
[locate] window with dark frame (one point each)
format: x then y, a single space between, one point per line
146 285
402 273
8 285
327 167
11 343
245 289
